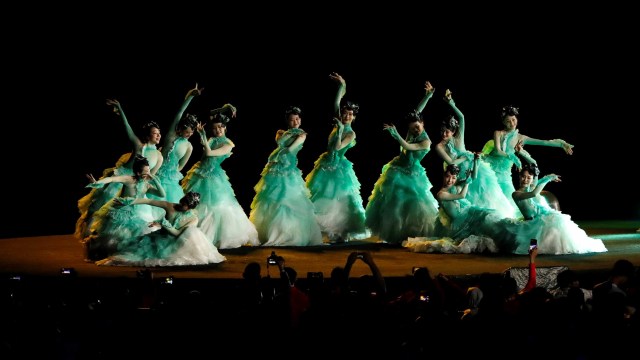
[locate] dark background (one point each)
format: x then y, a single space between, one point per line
572 72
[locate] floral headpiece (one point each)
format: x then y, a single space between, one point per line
192 199
510 110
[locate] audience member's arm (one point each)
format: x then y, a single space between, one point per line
532 270
366 257
375 271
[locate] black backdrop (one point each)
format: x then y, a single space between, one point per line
571 79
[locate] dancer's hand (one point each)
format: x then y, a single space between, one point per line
392 130
568 148
519 146
194 92
429 88
338 78
447 95
116 105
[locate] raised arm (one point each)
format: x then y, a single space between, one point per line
532 281
461 126
429 89
117 108
342 90
171 134
366 257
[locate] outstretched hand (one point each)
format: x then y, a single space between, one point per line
338 123
568 148
116 105
91 178
553 177
429 88
519 146
447 95
195 91
338 78
202 133
392 130
200 128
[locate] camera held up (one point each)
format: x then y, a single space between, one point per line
273 259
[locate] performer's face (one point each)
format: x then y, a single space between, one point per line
145 173
450 179
510 122
154 136
416 127
294 121
186 132
446 134
218 129
347 116
526 178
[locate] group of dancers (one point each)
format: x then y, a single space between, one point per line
145 212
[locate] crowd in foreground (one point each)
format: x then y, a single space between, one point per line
283 316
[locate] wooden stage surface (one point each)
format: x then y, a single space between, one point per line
46 255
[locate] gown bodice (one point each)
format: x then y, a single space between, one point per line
284 158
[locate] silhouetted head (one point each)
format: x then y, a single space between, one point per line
252 271
566 278
624 268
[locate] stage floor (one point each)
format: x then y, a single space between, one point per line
46 255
